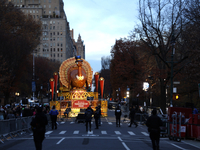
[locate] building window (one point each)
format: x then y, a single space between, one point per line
51 49
61 39
51 55
53 38
54 49
57 44
49 6
58 33
58 49
49 1
54 27
44 12
58 55
49 11
30 11
44 6
53 33
36 11
33 11
54 44
54 55
61 49
58 39
61 44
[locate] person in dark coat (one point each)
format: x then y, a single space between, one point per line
38 126
96 117
118 114
153 123
88 117
132 117
53 113
99 107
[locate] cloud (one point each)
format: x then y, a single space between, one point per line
100 23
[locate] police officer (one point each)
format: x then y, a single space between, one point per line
53 113
153 123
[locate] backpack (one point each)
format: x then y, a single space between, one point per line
88 114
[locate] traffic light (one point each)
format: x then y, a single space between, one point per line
176 97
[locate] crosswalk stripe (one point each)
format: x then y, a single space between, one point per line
131 133
49 132
103 132
146 134
109 122
76 132
117 132
62 132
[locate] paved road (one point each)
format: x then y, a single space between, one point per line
73 136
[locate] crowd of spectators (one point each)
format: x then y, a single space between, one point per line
20 111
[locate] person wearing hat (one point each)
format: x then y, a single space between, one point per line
53 113
153 123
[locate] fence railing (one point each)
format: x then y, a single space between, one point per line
10 127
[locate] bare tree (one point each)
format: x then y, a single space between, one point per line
161 25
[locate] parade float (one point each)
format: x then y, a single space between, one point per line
75 81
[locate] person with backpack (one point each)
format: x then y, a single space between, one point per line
96 117
53 113
39 121
88 117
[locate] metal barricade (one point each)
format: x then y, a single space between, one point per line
14 125
141 118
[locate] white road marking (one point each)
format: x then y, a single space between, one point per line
109 122
62 132
131 133
190 144
76 132
146 134
72 122
178 146
125 146
48 132
60 141
117 132
62 122
103 132
119 138
90 132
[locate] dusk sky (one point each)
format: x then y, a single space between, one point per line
100 23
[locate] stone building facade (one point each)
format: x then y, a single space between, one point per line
56 43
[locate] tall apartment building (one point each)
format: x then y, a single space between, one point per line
56 42
80 47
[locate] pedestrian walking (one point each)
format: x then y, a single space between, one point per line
132 117
99 120
153 123
118 114
38 126
88 117
53 113
96 117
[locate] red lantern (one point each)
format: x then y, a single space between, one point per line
101 80
55 75
96 76
52 87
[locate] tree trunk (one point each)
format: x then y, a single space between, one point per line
162 102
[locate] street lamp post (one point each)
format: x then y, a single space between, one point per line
172 63
145 88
